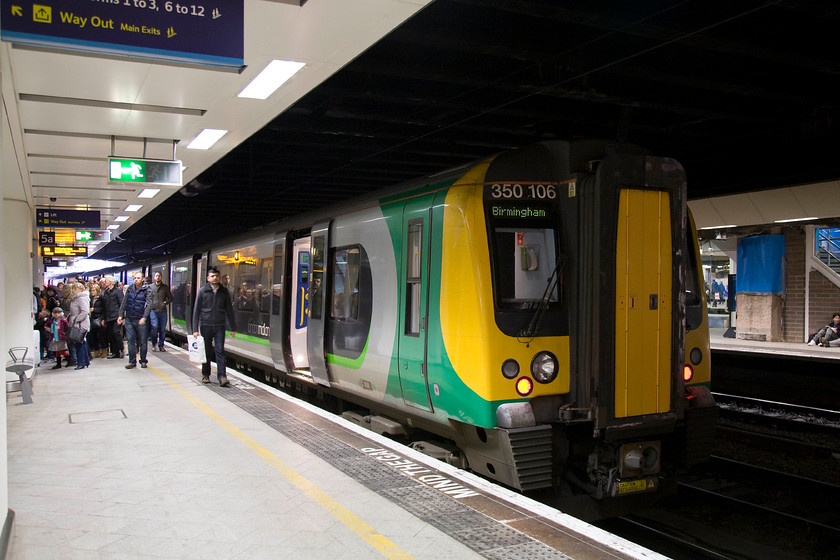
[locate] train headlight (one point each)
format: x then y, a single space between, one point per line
510 368
696 356
524 386
688 372
544 367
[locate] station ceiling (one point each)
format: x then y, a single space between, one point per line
744 94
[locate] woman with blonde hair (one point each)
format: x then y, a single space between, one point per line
79 316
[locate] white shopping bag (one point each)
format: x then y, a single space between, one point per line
196 347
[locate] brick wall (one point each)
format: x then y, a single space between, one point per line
825 300
793 314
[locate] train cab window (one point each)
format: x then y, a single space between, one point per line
413 277
525 259
345 292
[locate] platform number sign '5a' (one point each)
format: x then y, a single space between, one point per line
46 238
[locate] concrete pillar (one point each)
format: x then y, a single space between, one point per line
17 217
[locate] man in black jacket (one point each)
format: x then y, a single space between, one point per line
134 313
212 307
112 298
161 298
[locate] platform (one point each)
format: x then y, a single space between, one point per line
800 349
109 463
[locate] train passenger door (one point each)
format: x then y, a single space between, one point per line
318 304
643 303
414 291
301 270
278 308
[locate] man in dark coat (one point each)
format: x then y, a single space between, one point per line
112 298
134 314
212 307
161 298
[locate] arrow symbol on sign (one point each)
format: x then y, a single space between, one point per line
17 11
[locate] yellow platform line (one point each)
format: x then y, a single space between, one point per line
365 531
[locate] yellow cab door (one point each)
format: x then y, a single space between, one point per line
643 303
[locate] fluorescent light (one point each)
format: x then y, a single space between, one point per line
274 75
148 193
113 226
796 220
206 138
719 227
133 207
121 219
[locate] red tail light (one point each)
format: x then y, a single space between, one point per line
688 373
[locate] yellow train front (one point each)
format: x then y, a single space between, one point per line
569 275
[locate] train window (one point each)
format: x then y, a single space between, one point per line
351 305
277 281
345 293
179 284
524 263
413 277
315 289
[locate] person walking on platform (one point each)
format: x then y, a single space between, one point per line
212 307
161 298
79 316
829 335
134 314
112 297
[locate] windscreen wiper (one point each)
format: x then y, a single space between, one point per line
551 284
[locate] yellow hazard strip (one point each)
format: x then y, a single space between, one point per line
368 533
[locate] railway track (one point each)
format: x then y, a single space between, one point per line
790 417
733 510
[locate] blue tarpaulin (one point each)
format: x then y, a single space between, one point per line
760 264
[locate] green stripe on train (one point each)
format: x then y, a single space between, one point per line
350 363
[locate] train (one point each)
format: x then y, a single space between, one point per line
537 317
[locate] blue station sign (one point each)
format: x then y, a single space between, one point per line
202 32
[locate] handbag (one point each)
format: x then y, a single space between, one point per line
76 334
196 347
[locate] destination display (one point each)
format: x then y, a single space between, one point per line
64 251
204 32
56 218
520 212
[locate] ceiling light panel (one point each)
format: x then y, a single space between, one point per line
206 138
274 75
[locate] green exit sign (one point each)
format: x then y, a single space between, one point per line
84 235
149 171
